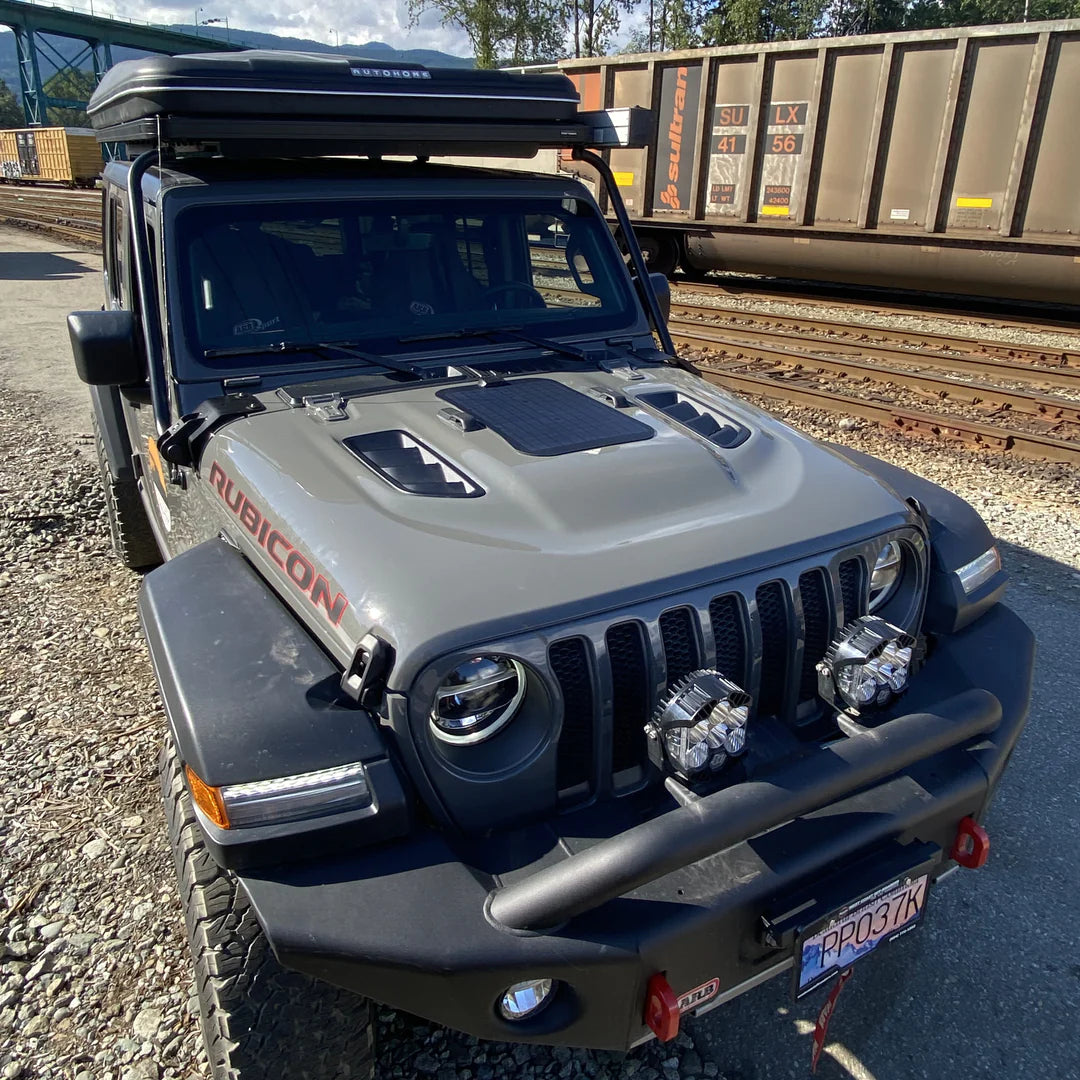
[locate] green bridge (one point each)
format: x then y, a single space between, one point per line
35 24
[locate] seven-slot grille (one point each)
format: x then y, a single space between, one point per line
767 639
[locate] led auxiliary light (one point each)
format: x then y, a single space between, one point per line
698 725
867 666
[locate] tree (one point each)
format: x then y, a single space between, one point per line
537 31
11 113
594 22
516 30
738 21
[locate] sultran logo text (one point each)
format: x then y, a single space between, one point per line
298 569
670 195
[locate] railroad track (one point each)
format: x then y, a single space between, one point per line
69 214
965 311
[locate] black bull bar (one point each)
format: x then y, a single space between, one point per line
615 866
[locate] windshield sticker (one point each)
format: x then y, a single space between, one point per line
256 326
297 568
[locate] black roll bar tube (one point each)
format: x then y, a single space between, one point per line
613 867
149 313
632 246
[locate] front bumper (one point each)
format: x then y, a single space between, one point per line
441 931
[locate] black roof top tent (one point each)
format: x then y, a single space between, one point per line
280 104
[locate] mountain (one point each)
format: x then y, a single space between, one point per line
373 50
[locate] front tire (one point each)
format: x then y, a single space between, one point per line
260 1021
129 527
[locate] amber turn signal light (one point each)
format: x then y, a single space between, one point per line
207 799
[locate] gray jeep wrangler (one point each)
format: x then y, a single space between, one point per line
516 677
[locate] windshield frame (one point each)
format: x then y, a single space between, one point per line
188 364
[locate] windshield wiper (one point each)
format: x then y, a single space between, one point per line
450 335
515 332
347 348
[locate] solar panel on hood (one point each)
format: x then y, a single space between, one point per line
544 418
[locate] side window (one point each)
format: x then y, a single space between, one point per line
114 248
561 263
469 234
119 247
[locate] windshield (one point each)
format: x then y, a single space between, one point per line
376 272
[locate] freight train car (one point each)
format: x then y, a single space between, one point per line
50 154
942 160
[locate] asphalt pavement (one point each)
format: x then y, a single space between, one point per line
988 987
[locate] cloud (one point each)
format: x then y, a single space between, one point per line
356 21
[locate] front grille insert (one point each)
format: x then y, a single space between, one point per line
817 629
851 589
569 661
775 646
729 633
631 701
680 643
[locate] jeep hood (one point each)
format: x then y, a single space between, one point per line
549 539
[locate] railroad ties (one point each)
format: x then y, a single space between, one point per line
71 214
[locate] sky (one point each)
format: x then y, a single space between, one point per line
356 21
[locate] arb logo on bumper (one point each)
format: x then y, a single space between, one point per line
699 995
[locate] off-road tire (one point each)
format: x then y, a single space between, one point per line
259 1020
129 527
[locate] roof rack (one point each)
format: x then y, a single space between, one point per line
281 104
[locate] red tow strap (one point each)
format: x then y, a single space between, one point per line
821 1030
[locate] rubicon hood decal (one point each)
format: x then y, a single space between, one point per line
295 567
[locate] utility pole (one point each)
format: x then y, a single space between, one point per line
228 34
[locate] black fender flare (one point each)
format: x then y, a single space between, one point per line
249 696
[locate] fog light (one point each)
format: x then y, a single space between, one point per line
526 999
699 724
867 666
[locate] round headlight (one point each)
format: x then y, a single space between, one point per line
886 574
478 698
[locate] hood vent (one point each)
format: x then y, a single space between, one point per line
411 466
697 417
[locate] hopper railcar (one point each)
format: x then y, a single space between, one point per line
941 160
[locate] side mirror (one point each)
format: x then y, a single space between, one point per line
106 349
662 288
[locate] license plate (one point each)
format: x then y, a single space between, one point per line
854 931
